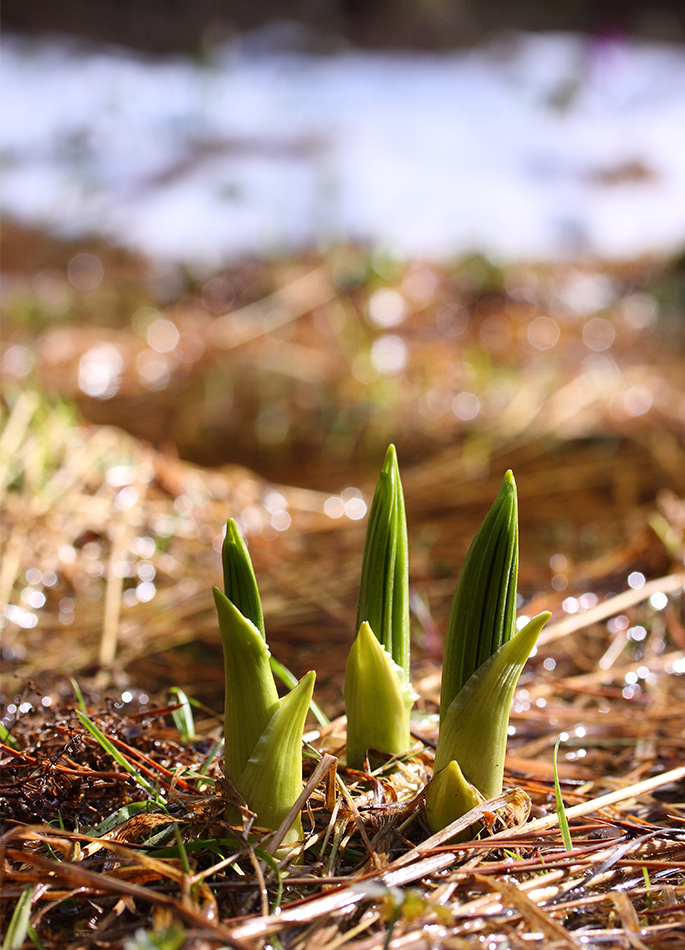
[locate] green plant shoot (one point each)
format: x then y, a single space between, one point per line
473 733
384 587
483 612
378 694
240 586
263 734
251 697
240 583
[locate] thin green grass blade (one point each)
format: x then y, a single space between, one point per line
34 938
183 716
78 694
275 869
180 844
648 885
240 583
112 750
18 927
117 818
559 801
483 612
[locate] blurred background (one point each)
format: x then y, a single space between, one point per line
245 246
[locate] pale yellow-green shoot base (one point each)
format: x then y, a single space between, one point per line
271 781
449 797
378 699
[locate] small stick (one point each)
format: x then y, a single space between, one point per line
596 804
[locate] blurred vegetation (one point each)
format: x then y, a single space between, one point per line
297 367
181 25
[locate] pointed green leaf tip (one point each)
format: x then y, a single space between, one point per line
240 583
474 730
251 696
272 778
483 612
378 700
449 797
384 587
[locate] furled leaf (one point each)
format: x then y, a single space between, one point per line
483 612
251 696
240 583
384 587
272 778
474 730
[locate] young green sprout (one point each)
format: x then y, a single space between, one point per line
484 658
483 612
263 734
472 742
378 694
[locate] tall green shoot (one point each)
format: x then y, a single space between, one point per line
263 734
484 658
378 693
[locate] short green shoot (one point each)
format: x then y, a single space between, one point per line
240 583
561 810
263 734
484 657
378 700
473 735
384 587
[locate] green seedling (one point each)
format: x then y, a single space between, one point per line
7 737
469 758
240 583
378 694
384 587
483 612
240 586
484 658
263 734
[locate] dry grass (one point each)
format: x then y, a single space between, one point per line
110 547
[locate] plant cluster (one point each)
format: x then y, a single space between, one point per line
484 657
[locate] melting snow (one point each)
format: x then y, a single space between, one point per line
539 146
